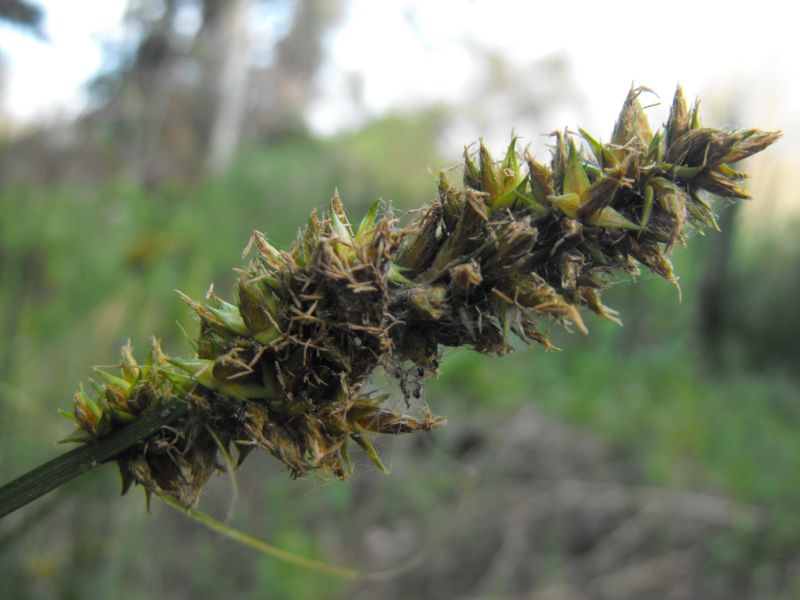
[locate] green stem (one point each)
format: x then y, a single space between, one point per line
60 470
265 548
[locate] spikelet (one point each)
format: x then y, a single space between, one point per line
284 368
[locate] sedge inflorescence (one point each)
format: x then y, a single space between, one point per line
286 366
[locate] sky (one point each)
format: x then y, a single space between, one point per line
609 45
45 78
411 52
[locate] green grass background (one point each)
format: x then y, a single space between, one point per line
84 268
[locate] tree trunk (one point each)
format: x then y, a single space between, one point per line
233 47
714 290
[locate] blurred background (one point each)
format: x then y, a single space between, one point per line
141 141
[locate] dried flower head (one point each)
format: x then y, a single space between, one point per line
285 367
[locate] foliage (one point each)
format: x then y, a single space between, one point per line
286 367
83 268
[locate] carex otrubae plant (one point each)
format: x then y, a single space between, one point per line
520 243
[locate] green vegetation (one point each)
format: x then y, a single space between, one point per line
83 269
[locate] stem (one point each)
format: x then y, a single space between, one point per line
265 548
60 470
